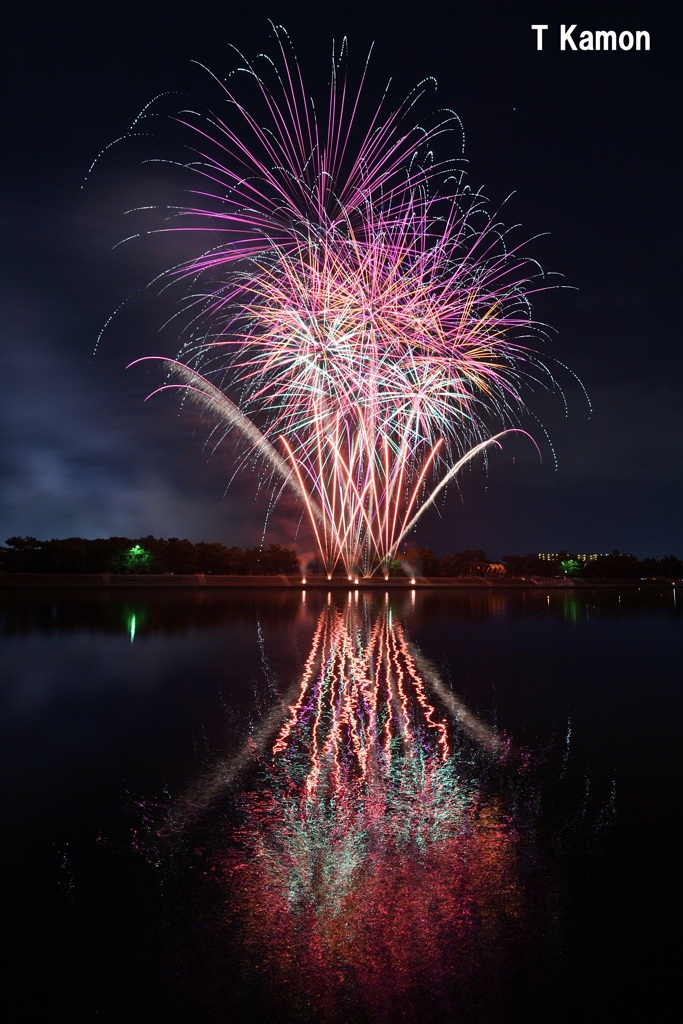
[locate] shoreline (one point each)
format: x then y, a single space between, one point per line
115 581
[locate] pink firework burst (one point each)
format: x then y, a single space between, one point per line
358 318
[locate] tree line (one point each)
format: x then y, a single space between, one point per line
615 565
144 555
612 566
173 555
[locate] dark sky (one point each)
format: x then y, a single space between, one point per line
588 143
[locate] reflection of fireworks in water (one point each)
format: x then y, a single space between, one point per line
375 859
371 861
359 316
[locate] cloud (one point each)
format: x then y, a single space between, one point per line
85 456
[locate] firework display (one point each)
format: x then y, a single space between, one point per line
356 316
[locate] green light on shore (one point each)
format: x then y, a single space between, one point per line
137 559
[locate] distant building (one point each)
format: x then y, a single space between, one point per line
553 556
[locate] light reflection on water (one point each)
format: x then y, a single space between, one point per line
358 872
373 846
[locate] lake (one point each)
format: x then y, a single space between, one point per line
301 806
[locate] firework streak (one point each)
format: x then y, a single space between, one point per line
358 318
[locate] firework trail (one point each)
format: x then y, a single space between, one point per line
356 317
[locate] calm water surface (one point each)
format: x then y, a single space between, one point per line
274 806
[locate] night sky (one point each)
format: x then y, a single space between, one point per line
586 145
